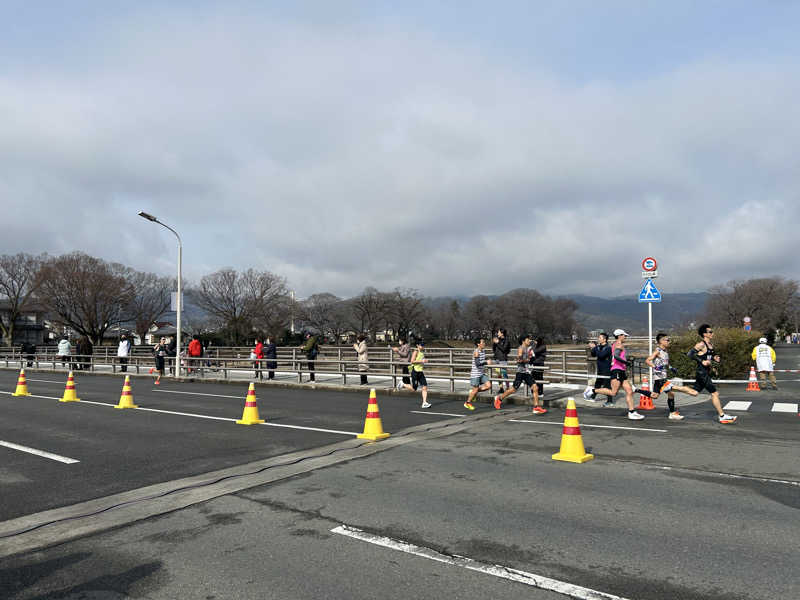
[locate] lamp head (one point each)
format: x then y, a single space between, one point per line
144 215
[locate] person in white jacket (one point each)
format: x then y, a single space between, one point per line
64 351
764 357
123 352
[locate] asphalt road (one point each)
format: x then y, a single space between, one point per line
667 510
120 450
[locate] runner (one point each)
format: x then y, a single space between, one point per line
501 347
160 353
619 363
659 361
524 376
703 355
403 351
417 374
602 352
478 379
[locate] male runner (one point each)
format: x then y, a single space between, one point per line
478 379
703 355
619 364
659 361
524 376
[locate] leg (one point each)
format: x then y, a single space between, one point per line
762 378
626 385
715 401
610 392
311 369
773 381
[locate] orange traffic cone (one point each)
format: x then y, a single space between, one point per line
250 414
373 428
752 383
572 449
22 387
645 402
126 398
69 391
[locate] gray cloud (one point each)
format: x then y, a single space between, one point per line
345 156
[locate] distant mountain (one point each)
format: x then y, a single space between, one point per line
674 311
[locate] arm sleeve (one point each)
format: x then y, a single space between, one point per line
774 358
618 354
754 353
693 355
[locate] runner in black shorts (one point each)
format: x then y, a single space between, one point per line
703 355
417 374
523 377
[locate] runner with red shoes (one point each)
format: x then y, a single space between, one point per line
523 377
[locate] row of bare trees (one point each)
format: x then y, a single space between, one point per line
90 296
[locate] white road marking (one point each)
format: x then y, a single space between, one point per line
790 407
199 394
41 453
309 428
46 381
587 425
737 405
427 412
531 579
32 396
184 414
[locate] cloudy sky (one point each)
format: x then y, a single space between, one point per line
453 147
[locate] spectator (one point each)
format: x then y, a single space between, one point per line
172 351
29 350
538 359
764 357
501 346
311 348
363 357
87 350
194 353
64 351
123 352
602 352
271 353
257 354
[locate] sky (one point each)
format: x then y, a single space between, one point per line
457 148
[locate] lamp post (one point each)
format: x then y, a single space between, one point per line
179 301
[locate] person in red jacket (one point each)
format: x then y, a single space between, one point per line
195 351
257 355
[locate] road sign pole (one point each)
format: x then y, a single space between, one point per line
650 341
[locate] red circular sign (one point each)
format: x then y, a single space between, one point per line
649 264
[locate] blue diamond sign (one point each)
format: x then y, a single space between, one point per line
649 292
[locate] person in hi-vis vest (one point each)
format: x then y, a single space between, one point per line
764 357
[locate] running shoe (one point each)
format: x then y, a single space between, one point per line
727 419
426 405
469 406
588 393
635 416
157 382
400 385
608 404
497 402
676 416
539 410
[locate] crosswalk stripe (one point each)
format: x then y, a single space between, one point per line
737 405
788 407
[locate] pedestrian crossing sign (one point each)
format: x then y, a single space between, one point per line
649 292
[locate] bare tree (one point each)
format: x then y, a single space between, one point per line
318 312
241 301
150 300
18 286
404 310
479 315
368 310
770 302
84 293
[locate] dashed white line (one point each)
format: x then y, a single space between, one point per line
587 425
42 453
538 581
790 407
737 405
199 394
427 412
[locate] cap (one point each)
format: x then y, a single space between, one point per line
618 332
762 341
420 342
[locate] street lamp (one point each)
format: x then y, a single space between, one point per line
179 301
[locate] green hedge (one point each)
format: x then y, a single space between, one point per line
734 346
